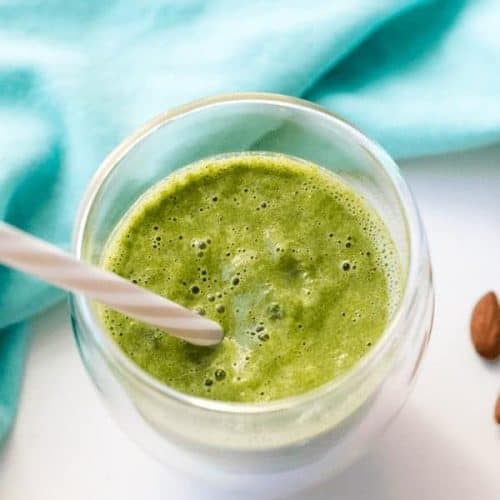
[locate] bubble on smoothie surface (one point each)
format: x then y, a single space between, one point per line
301 273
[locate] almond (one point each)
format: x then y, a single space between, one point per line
485 326
497 411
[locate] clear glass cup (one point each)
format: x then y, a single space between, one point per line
290 442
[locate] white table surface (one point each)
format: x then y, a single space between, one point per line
443 445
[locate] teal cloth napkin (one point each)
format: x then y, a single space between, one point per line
77 77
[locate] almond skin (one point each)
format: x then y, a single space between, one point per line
485 327
497 411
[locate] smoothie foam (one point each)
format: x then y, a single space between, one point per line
298 269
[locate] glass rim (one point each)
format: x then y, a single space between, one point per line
415 234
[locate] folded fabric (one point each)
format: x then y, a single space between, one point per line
77 77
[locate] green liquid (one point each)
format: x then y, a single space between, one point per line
300 272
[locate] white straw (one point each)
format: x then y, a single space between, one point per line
47 262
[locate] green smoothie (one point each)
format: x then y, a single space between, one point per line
300 272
